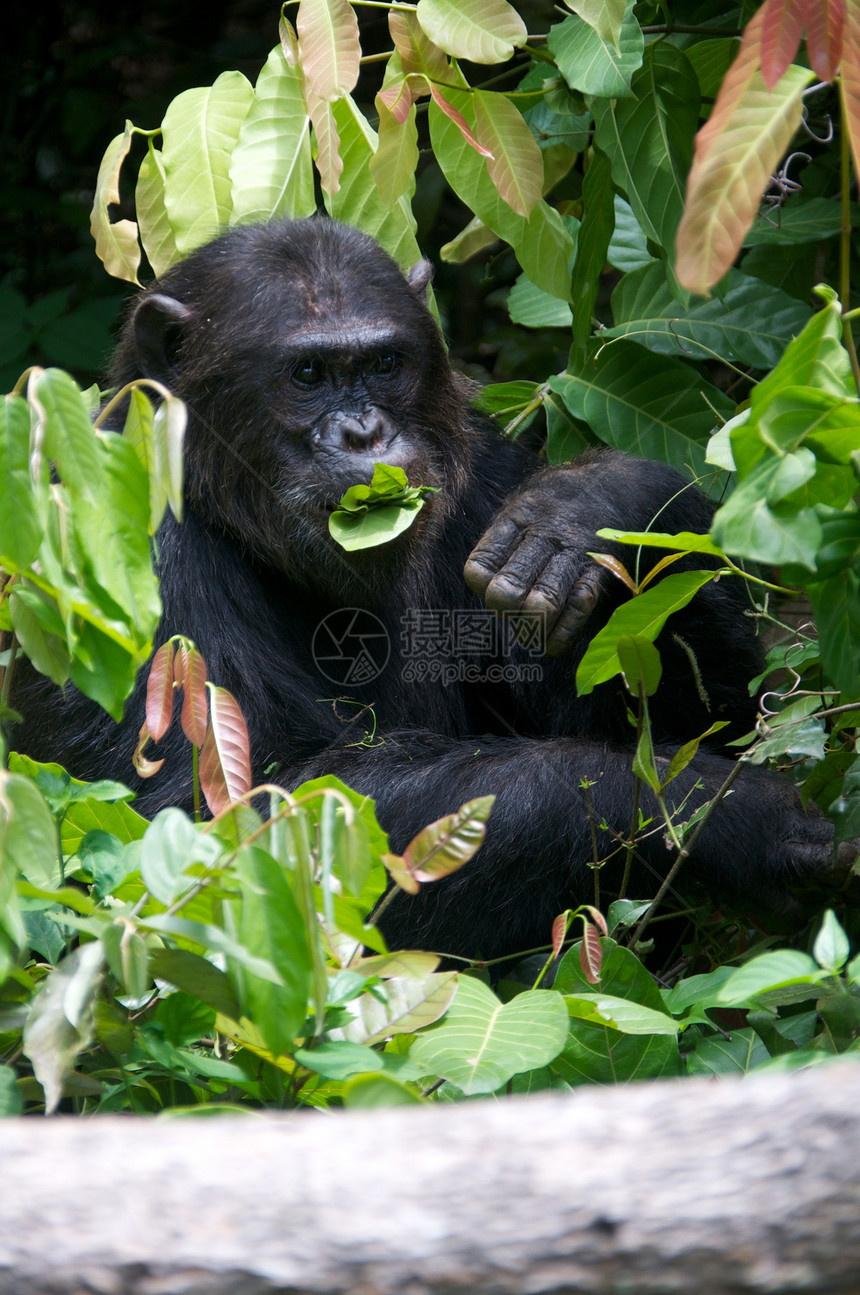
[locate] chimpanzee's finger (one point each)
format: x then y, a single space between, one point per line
509 589
490 554
581 602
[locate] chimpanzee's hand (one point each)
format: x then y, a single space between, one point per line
534 557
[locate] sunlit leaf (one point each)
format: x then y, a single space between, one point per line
404 1006
444 846
515 165
116 242
459 121
60 1023
593 63
270 167
605 16
782 28
20 527
417 52
481 1042
200 130
482 31
156 232
394 162
328 32
328 159
736 152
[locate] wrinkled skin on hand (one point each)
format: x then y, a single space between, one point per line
536 554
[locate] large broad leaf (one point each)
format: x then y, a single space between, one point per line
799 221
543 246
270 923
328 30
200 130
648 405
605 16
270 168
393 165
647 139
593 63
358 200
592 246
737 151
516 166
750 323
28 833
482 1043
156 232
116 242
482 31
401 1005
60 1023
533 308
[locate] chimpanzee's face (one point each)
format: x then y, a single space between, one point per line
303 362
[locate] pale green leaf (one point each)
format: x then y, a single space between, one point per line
270 168
116 242
593 64
20 527
605 16
156 233
395 160
200 130
482 31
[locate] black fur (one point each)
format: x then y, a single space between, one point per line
280 339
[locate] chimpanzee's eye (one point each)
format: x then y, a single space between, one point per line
385 362
308 372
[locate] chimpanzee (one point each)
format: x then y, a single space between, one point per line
305 357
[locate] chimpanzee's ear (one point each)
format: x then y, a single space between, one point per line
419 277
159 322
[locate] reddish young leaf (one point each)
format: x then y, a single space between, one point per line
559 931
146 768
597 918
331 50
849 81
617 567
159 692
825 25
590 952
225 756
398 100
416 49
782 27
189 671
444 846
459 121
328 158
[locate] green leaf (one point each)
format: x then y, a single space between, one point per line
271 175
832 947
749 323
749 526
401 1005
640 664
620 1014
481 1042
648 139
20 528
11 1101
116 242
358 201
107 860
780 969
628 247
60 1023
605 16
170 847
530 306
482 31
803 221
543 246
28 833
200 130
370 1092
198 977
592 246
156 232
735 1054
270 923
836 604
645 615
335 1059
647 405
394 163
593 64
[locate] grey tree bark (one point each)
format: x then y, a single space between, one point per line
690 1186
